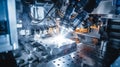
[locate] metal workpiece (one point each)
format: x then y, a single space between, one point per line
44 48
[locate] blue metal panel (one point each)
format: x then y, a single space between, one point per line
116 63
118 2
12 23
2 10
8 29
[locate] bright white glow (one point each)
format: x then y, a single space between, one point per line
60 40
64 31
15 46
19 25
57 40
36 37
22 32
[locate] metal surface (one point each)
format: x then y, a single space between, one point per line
5 43
116 63
105 7
65 61
3 10
37 12
12 23
79 58
9 40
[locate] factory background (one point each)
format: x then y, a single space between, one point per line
59 33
